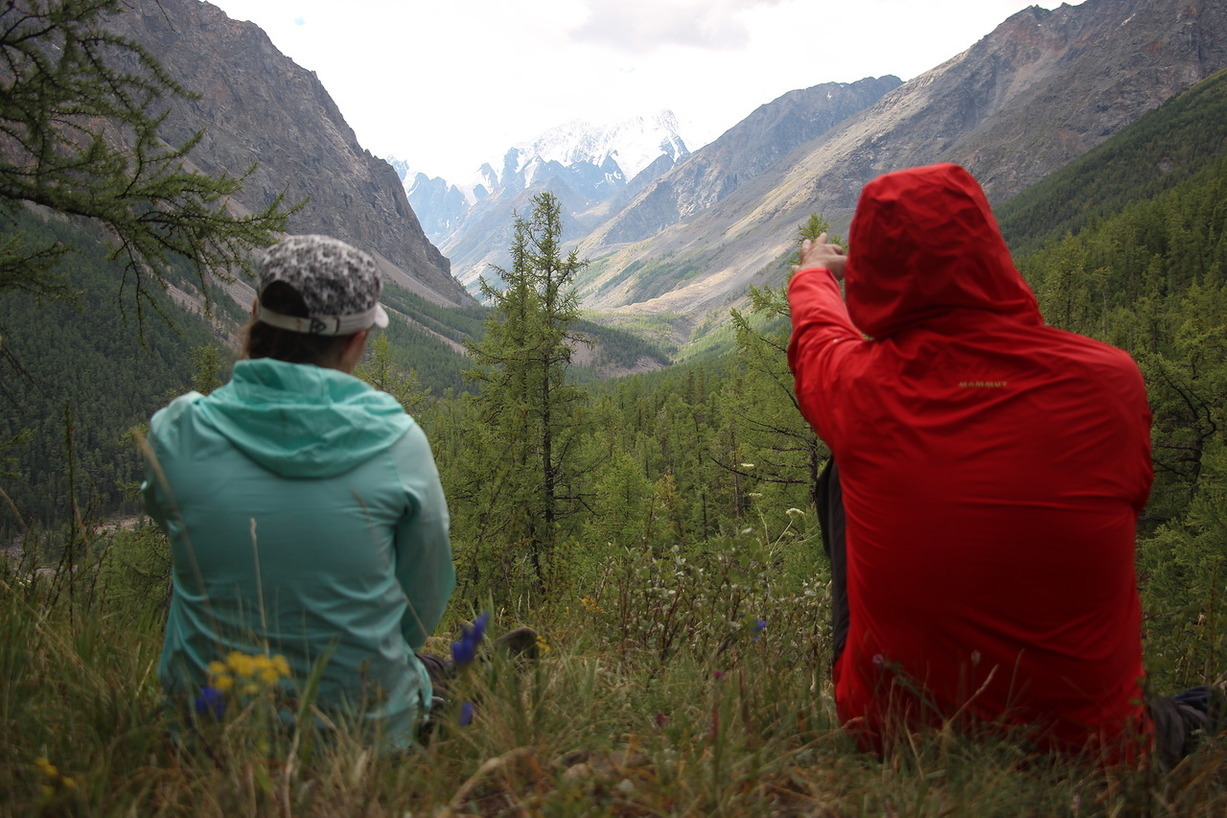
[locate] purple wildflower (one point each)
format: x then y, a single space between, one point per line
760 625
465 650
211 702
466 714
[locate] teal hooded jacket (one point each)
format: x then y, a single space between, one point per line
306 519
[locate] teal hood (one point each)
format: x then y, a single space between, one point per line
299 420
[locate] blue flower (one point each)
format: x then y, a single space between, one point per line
464 651
479 627
212 702
466 714
760 625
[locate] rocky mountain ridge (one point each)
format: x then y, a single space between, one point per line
688 233
257 105
593 169
1037 92
746 150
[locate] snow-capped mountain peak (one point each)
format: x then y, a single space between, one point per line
633 144
589 167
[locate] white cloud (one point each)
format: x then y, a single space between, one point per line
644 25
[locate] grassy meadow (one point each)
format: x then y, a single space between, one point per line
677 684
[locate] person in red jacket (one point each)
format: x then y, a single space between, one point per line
992 470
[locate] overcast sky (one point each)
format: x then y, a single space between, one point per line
449 84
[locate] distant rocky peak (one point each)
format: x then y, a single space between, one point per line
403 169
633 144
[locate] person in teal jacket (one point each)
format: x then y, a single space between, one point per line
303 507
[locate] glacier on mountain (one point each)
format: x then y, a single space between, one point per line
633 144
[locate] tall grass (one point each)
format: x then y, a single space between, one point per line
679 684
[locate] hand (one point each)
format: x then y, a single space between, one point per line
818 253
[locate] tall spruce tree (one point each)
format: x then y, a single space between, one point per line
526 403
81 109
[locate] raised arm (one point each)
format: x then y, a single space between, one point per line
822 332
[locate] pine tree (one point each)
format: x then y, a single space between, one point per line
762 403
81 110
521 366
379 369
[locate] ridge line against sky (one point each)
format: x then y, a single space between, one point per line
446 86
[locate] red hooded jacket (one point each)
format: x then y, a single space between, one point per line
992 471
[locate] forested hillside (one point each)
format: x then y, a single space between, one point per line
78 374
1164 148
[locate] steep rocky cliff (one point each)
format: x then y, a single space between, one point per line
1037 92
257 105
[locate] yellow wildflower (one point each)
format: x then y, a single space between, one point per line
240 663
52 779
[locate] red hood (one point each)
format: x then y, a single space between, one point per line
923 243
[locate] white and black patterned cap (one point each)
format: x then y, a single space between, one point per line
339 284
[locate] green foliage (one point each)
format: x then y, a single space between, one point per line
655 277
133 570
81 109
379 369
646 599
209 364
533 416
660 330
438 363
712 340
457 324
762 401
814 227
87 374
617 348
1184 573
93 201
